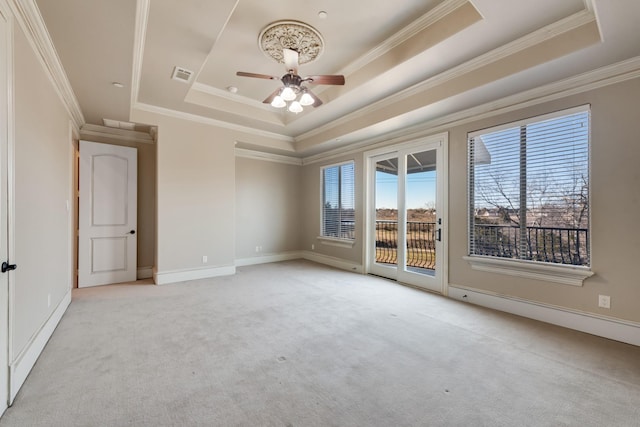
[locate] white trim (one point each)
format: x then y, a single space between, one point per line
591 80
333 261
11 193
140 31
557 273
22 365
268 157
28 16
89 130
265 259
607 327
532 39
530 120
425 21
333 241
173 276
209 121
144 273
233 97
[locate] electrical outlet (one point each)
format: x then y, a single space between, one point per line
313 247
205 259
604 301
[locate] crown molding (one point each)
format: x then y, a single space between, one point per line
28 16
89 130
140 31
420 24
591 80
543 34
269 157
212 122
210 90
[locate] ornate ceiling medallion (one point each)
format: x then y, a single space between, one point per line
295 35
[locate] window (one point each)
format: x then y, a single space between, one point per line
338 201
529 190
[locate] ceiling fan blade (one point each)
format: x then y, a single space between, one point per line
291 60
325 80
257 76
269 98
316 101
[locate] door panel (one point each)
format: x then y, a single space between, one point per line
405 233
109 190
108 214
4 242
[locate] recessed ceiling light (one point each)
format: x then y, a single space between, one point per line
232 89
117 84
322 14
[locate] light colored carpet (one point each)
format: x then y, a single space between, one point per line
299 344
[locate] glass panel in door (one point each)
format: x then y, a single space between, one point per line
386 216
420 213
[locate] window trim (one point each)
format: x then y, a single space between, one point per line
557 273
342 242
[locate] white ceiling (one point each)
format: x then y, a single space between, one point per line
405 61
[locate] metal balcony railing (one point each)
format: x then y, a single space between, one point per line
421 245
557 245
547 244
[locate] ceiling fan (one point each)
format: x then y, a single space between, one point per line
293 93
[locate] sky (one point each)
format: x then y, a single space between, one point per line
421 190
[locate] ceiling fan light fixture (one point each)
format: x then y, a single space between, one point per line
306 99
288 94
295 107
278 102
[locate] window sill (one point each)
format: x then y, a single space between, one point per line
341 243
564 274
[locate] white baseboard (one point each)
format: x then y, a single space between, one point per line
615 329
144 273
264 259
19 369
173 276
332 261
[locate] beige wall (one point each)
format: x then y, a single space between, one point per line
146 230
43 177
615 203
195 194
268 196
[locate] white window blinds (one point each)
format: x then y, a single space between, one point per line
529 189
338 201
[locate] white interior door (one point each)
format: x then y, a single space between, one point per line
107 239
4 278
406 214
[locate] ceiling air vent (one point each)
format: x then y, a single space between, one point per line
181 74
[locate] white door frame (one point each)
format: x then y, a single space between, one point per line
441 142
6 180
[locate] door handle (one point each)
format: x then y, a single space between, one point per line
439 234
132 232
8 267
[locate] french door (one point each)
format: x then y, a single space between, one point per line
406 202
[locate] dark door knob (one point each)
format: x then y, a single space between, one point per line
8 267
132 232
